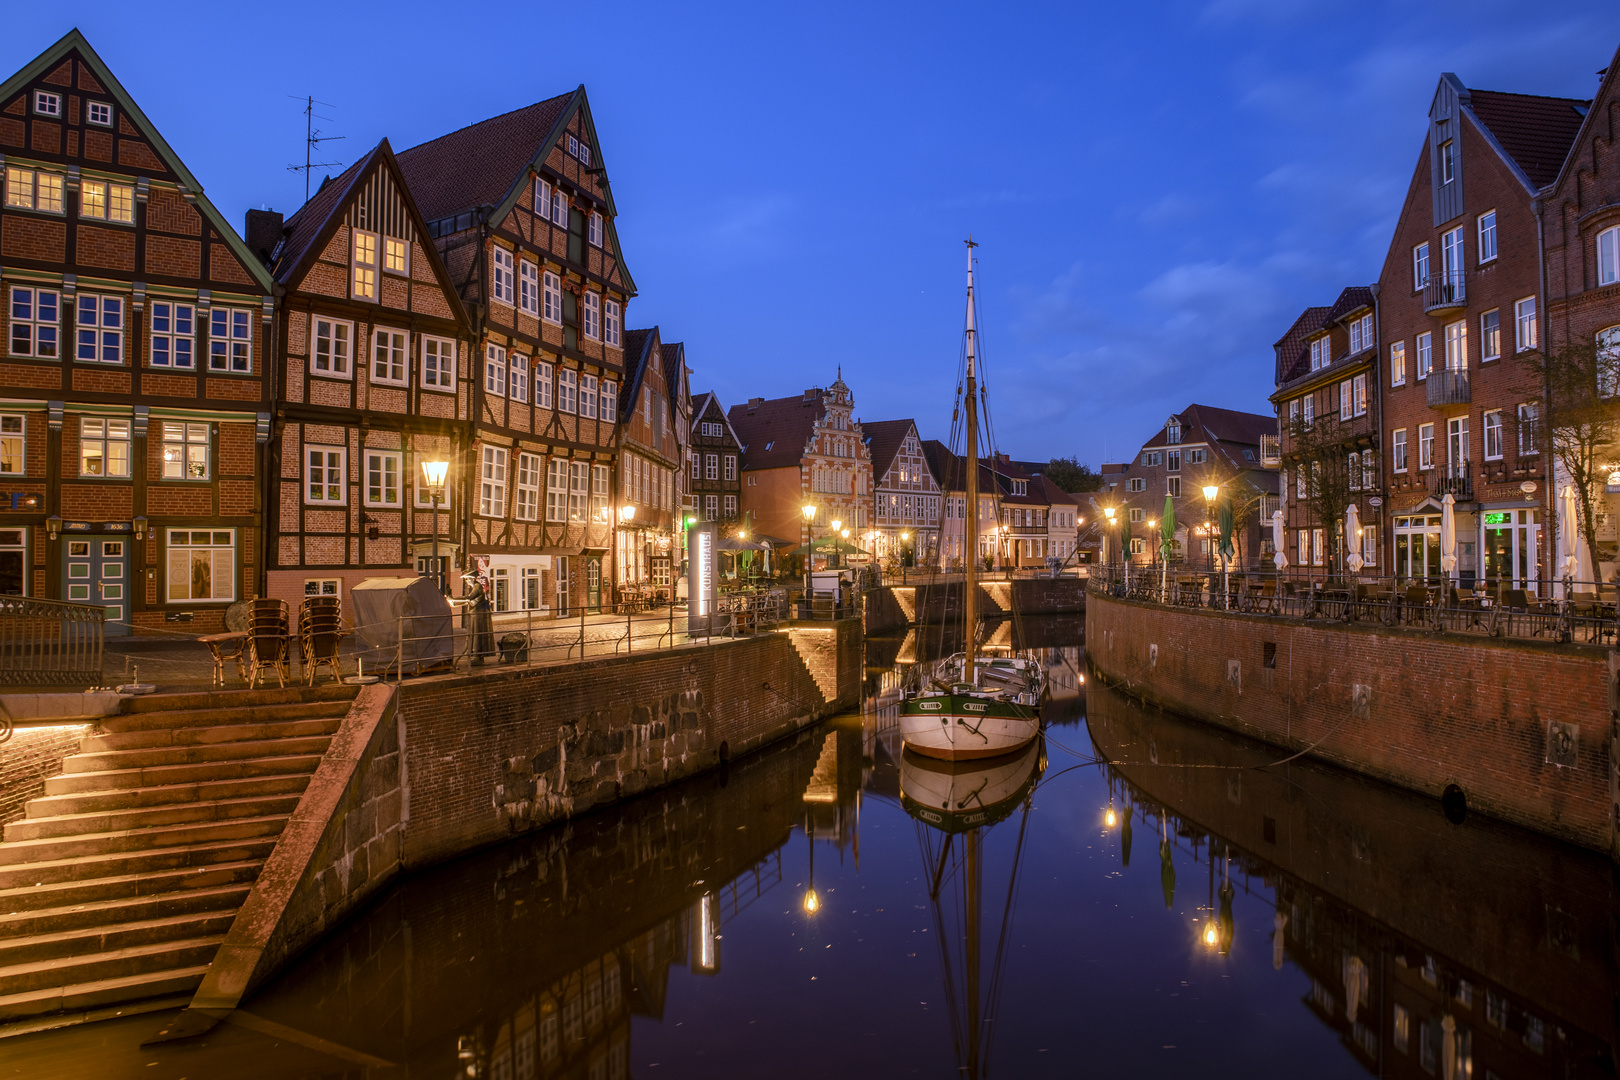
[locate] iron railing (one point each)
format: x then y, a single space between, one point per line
1454 479
1446 290
1446 387
49 643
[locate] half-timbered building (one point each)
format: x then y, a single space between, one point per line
649 464
137 328
373 380
713 463
905 524
520 209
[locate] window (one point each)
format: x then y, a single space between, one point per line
1493 435
1172 463
1448 169
492 483
99 113
559 208
1451 254
1310 409
693 458
519 384
1529 422
13 446
202 565
610 322
557 490
542 198
579 481
382 477
1138 483
103 447
711 466
1138 514
1398 449
567 389
1345 409
528 287
1358 395
1173 486
396 257
495 370
594 227
600 477
1318 547
528 488
552 307
1487 236
47 103
610 401
1352 472
35 315
107 202
388 352
1425 354
593 316
365 265
1198 457
424 494
500 283
1457 441
100 329
1420 266
1304 551
542 384
334 347
27 189
1321 352
323 475
729 470
1361 334
1300 481
1425 446
584 154
730 503
438 363
1457 345
1397 364
1524 323
711 507
587 397
173 334
230 341
1608 246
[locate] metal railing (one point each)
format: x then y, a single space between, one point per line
1455 479
49 643
1447 387
1565 610
1446 289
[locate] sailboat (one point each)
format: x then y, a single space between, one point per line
978 705
956 804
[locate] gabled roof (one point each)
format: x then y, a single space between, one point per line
948 468
73 41
1208 424
1350 301
673 355
1535 132
774 433
1054 494
883 441
638 354
1291 346
700 406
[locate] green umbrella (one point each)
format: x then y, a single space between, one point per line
1226 549
1167 529
1167 873
1125 537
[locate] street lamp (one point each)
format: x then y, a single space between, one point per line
433 473
1210 491
1108 512
809 535
839 555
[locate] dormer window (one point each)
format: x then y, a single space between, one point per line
1361 334
1172 431
1321 352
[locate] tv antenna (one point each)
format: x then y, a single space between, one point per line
312 139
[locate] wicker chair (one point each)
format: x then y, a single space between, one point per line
320 632
267 637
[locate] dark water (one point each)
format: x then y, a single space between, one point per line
1235 920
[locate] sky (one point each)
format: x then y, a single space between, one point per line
1158 189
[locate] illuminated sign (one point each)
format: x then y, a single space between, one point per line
702 570
1502 517
702 575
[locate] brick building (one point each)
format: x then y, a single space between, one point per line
521 212
137 327
1458 309
650 462
714 470
906 507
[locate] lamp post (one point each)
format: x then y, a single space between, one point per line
433 473
837 526
1210 491
809 510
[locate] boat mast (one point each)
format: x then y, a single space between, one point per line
970 950
970 586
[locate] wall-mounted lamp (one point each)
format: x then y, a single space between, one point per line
626 513
140 528
53 526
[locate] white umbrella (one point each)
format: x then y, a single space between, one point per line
1352 539
1448 533
1573 560
1279 558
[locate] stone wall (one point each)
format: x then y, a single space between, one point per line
894 607
1407 706
30 757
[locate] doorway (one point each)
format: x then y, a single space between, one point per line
1510 547
96 571
1417 547
593 583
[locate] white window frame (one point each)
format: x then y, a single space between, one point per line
179 439
365 260
1490 336
567 390
329 494
557 490
594 230
106 433
542 384
711 466
37 328
230 340
728 467
1425 447
1345 408
438 364
1493 435
48 103
1358 395
1486 233
1608 253
1526 329
1425 355
1397 363
593 316
495 370
551 307
1172 486
610 322
165 318
492 470
529 287
608 409
393 246
518 378
601 490
1321 352
587 396
186 550
1308 416
728 507
1420 266
98 328
1398 450
338 359
103 200
13 444
34 189
390 356
559 208
1361 334
1457 345
1529 417
526 507
500 275
103 118
579 492
377 478
542 199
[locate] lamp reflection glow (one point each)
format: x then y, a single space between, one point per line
1210 934
811 902
1110 819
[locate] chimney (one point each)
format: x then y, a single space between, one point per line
811 395
755 402
263 233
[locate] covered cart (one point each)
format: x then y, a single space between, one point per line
405 624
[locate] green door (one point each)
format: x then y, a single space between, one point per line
593 582
95 570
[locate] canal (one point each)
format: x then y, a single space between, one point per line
1139 896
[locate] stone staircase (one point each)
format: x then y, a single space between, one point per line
121 881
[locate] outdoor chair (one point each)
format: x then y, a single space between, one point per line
231 645
267 635
320 632
1414 604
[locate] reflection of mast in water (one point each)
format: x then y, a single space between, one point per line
966 799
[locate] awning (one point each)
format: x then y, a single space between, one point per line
731 543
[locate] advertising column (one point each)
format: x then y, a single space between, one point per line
702 579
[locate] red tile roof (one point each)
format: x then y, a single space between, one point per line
306 225
1291 347
774 433
1536 132
883 441
478 165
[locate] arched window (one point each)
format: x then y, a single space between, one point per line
1608 361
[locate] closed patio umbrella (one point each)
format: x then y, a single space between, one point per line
1352 539
1167 873
1279 559
1448 533
1167 541
1573 560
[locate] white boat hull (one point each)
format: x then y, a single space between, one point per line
957 727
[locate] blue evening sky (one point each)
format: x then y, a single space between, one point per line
1158 188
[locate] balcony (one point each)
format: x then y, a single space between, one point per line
1454 479
1445 291
1270 450
1447 388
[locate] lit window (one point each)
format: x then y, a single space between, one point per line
201 565
103 447
13 445
1524 324
334 348
1358 395
528 287
185 451
100 329
396 256
230 340
542 384
382 478
365 265
35 319
99 113
1397 364
495 371
107 202
438 363
579 491
1487 236
323 477
1420 266
173 334
587 397
389 348
1490 336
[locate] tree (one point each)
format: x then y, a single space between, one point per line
1070 475
1317 453
1580 416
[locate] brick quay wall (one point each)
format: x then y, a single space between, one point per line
1418 710
894 607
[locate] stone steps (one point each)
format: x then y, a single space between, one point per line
125 886
71 783
157 756
207 718
168 795
57 999
37 948
121 864
257 731
123 909
88 848
146 817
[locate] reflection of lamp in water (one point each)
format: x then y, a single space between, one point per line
1211 935
1110 819
811 901
706 933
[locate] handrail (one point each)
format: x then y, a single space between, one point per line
50 642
